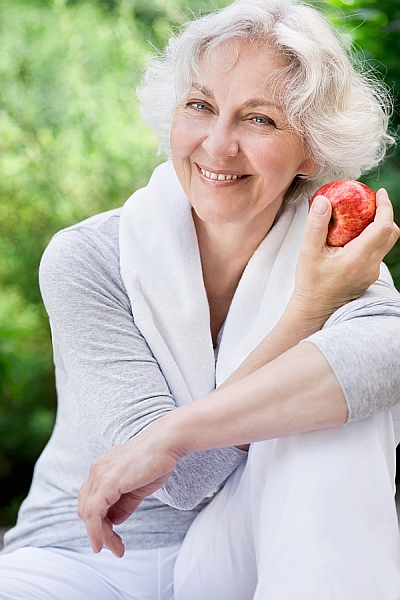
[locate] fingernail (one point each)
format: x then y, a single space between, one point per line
320 205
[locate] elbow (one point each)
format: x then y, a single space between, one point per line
177 498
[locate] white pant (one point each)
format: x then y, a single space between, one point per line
58 574
309 517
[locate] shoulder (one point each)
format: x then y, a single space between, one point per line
380 299
84 257
98 233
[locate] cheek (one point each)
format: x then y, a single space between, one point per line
184 138
286 162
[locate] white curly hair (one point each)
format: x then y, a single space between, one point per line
340 109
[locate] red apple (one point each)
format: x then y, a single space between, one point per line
353 208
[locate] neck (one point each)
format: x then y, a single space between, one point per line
225 250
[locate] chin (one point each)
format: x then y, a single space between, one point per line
217 211
215 217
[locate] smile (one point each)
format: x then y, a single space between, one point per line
219 176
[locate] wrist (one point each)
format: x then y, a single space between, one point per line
172 433
310 311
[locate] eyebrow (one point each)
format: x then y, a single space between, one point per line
252 103
204 90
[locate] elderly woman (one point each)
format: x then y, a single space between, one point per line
193 285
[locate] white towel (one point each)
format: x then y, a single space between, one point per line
161 270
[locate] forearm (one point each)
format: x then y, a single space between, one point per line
297 323
295 393
199 475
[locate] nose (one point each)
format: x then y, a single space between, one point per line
221 141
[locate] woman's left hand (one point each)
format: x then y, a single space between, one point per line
117 483
328 277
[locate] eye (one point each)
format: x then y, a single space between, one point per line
261 120
197 105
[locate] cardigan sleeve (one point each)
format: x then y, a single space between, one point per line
104 367
361 343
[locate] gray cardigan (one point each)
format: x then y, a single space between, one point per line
110 387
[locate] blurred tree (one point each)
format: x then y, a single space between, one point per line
71 144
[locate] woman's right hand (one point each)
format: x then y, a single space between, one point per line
120 479
328 277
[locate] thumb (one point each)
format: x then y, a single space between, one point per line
317 222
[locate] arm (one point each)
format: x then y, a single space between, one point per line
104 366
266 403
326 279
276 392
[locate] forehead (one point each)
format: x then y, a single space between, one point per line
240 69
239 74
259 55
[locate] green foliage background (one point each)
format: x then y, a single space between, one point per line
72 144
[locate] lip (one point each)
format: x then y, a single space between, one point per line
238 176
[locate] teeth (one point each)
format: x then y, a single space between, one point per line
219 177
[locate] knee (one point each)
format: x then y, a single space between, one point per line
355 449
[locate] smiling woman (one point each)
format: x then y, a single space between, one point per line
213 355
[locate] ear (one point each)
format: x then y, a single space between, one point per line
307 167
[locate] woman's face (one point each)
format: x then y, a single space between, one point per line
232 148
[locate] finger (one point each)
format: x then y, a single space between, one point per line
381 235
112 540
92 511
377 238
94 528
382 250
86 490
317 224
385 212
384 208
124 508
